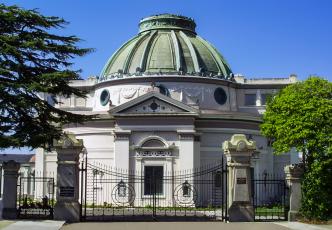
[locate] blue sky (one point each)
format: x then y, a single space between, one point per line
258 38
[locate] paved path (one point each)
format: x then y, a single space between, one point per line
35 225
300 226
55 225
191 226
172 226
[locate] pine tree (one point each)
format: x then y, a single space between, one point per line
34 60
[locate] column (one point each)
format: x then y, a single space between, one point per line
294 173
67 195
238 152
9 198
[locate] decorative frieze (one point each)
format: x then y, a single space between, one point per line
154 153
186 136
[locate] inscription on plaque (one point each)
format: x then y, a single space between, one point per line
67 191
241 180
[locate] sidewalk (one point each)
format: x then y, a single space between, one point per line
31 225
193 226
55 225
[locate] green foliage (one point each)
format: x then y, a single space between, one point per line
34 61
317 191
300 116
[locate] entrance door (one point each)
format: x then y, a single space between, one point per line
153 180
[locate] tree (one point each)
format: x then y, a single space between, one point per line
300 116
34 60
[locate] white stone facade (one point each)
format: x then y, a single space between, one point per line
189 122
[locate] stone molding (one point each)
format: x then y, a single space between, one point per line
121 134
239 143
68 141
294 171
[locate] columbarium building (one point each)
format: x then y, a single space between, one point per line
165 101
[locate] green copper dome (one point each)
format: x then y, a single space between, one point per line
166 44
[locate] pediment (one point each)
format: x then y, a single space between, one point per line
153 103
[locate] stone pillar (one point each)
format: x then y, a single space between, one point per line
238 152
294 173
9 198
67 195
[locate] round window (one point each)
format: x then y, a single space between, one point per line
220 96
104 97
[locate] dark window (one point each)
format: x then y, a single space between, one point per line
250 99
264 98
220 96
217 179
153 180
104 97
163 90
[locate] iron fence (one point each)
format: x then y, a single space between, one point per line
270 197
153 193
35 197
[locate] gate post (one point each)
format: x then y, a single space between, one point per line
294 173
9 198
238 152
67 206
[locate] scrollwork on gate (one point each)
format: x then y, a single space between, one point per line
123 194
185 194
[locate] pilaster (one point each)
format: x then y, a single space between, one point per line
121 149
186 150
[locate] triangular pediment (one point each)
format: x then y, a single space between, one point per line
153 103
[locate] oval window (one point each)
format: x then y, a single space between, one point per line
104 97
220 96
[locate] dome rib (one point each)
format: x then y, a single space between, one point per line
133 51
191 50
221 63
105 71
146 51
177 51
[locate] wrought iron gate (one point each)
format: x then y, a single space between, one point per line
270 196
153 193
35 197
